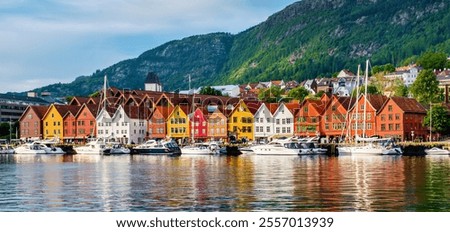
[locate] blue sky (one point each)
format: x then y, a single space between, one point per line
50 41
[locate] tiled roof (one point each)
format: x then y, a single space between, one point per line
39 110
409 105
377 100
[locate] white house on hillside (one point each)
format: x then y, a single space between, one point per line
408 75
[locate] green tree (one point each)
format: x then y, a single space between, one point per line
400 89
440 121
387 68
270 95
208 90
433 60
69 98
95 94
426 88
298 93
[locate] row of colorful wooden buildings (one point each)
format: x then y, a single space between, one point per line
133 116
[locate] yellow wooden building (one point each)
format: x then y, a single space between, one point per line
178 124
240 122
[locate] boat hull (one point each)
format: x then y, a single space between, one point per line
156 151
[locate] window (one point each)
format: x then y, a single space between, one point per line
268 129
278 122
397 116
397 127
390 108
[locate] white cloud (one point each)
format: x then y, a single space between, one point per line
60 40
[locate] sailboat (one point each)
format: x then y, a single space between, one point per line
366 146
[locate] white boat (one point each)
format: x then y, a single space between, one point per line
6 149
30 148
437 151
116 149
50 146
196 149
390 148
282 147
95 147
314 148
368 147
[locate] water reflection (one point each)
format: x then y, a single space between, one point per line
210 183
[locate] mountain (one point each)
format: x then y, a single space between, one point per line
307 39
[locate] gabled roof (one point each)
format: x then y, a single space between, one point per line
79 100
65 110
92 108
317 104
253 106
408 105
292 106
164 110
346 102
375 100
38 110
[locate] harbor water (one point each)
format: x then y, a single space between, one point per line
86 183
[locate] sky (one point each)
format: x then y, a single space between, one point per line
51 41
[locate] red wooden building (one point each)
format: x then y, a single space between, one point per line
402 118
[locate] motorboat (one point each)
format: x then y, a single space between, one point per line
30 148
94 147
116 149
153 147
437 151
197 149
6 149
282 147
390 148
315 150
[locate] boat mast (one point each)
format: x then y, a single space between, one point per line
365 98
357 102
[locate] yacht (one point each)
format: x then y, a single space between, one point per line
116 149
6 149
30 148
315 150
197 149
390 147
153 147
437 151
287 146
95 147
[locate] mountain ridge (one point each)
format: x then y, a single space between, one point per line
307 39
